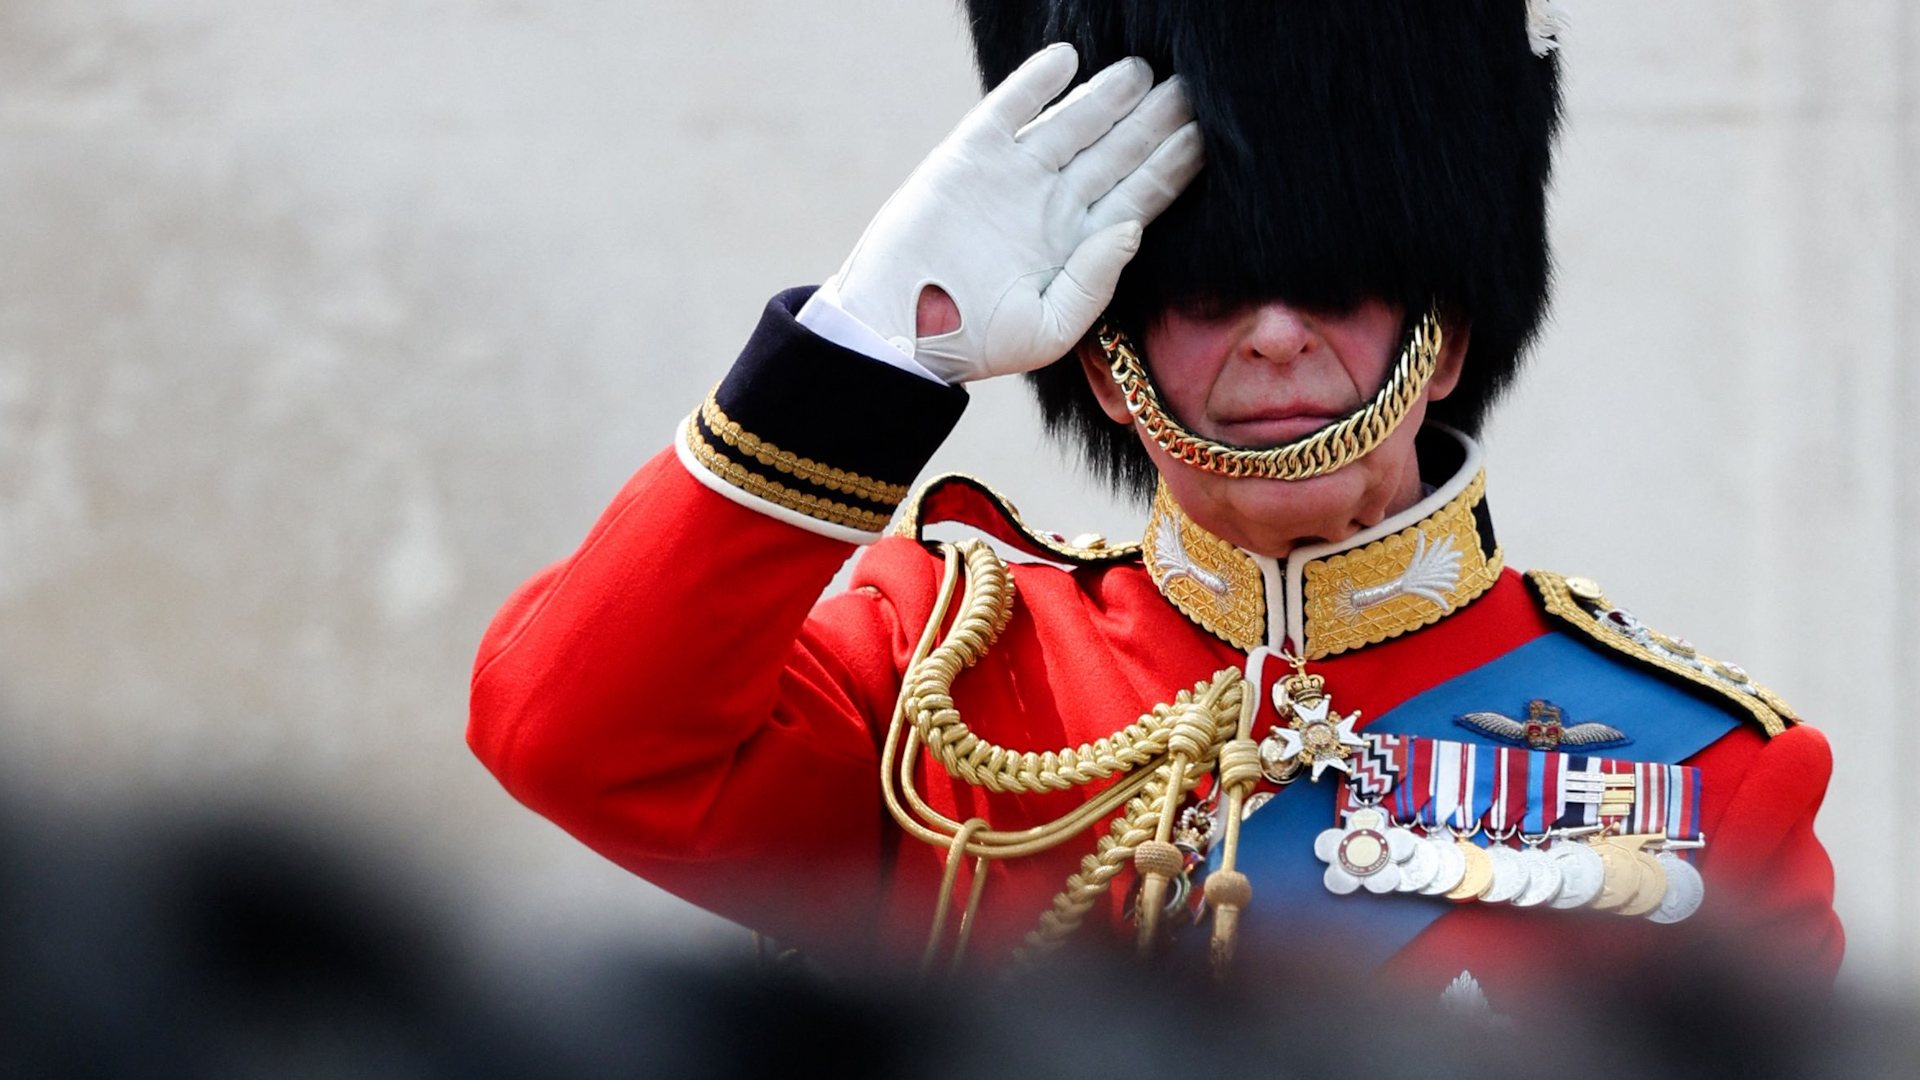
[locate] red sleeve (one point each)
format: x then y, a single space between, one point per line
671 694
1763 858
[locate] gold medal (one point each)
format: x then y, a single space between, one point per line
1622 875
1479 875
1653 886
1625 871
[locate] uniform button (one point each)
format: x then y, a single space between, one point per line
1585 588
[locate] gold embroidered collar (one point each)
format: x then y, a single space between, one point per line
1409 571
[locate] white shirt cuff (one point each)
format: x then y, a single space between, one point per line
830 321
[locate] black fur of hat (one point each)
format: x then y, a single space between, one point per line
1355 148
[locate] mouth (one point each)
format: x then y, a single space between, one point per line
1274 427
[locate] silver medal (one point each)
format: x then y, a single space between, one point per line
1417 872
1402 844
1543 878
1581 873
1509 874
1685 890
1326 847
1452 865
1368 851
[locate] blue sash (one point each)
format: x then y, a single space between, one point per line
1667 724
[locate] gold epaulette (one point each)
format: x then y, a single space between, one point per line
1578 604
956 497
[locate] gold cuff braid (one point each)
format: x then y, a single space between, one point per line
1332 447
803 502
806 469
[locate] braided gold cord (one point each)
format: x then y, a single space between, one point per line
898 753
934 827
1195 739
955 850
1112 854
1196 724
929 704
1140 822
1332 447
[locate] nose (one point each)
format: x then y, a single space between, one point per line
1279 332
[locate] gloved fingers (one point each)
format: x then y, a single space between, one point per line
1080 291
1020 96
1149 189
1082 117
1129 144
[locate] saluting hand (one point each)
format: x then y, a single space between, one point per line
1024 218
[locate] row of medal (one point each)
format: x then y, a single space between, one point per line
1594 833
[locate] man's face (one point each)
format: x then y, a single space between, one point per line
1267 374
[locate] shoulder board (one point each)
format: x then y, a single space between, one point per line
956 497
1578 605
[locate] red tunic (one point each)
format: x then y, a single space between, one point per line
676 695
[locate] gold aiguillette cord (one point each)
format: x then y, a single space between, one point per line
1158 758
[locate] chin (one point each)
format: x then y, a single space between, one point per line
1275 516
1272 517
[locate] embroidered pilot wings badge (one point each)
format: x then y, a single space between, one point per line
1545 728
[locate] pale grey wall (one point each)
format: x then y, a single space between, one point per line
323 322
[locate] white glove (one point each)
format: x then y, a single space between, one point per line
1025 219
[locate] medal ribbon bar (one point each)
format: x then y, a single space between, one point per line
1506 790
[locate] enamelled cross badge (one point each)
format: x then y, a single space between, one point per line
1309 733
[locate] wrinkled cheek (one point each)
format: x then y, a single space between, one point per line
1185 369
1187 395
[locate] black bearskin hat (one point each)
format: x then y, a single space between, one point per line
1396 149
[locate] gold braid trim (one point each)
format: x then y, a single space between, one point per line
1585 615
1338 619
779 494
1238 613
805 468
1197 723
1082 550
1332 447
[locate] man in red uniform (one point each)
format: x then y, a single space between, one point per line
1313 709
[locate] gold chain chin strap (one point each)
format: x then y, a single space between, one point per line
1332 447
1159 758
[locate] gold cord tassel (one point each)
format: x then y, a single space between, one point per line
1228 890
1157 861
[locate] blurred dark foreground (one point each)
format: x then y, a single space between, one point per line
229 948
